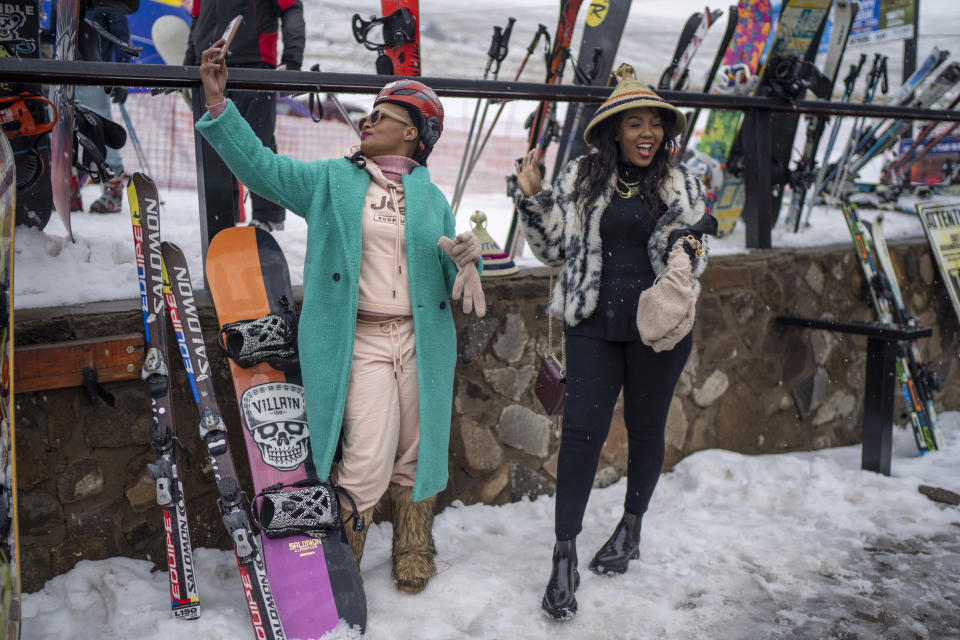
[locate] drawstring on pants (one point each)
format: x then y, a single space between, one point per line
391 326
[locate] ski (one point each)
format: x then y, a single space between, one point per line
865 135
145 214
675 75
604 23
542 125
878 285
915 152
925 378
803 173
887 137
182 309
733 15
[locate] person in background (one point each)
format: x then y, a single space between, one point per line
614 221
98 100
377 343
254 47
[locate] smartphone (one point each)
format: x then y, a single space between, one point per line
228 35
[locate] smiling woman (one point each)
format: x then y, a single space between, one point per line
381 263
615 221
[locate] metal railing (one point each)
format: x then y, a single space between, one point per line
758 214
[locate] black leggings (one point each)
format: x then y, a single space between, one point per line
596 371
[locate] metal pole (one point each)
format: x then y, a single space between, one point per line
910 44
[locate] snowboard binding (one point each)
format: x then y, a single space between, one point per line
271 339
92 136
306 508
791 77
399 27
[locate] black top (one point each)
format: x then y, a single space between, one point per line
625 229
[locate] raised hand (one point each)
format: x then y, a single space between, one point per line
529 179
213 72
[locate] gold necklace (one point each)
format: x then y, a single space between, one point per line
629 190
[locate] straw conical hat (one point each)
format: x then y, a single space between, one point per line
630 93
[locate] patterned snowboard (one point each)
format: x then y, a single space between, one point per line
315 582
746 47
798 34
9 549
61 144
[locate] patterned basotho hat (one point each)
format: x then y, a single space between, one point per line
630 93
496 262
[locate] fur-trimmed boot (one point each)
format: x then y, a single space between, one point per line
413 548
358 539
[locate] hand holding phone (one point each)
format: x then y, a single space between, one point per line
228 35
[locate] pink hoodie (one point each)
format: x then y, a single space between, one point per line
384 288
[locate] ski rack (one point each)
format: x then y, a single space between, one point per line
880 386
758 208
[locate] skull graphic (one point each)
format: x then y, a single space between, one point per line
275 416
282 444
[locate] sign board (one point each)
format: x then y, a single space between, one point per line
941 223
877 21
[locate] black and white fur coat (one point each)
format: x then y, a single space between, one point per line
560 238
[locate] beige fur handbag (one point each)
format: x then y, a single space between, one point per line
666 310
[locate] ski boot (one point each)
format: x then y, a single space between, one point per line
413 548
111 200
622 547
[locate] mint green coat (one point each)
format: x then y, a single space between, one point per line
329 195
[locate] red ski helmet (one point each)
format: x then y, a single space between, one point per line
423 100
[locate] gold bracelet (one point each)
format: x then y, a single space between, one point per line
697 244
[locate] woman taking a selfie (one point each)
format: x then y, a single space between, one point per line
376 337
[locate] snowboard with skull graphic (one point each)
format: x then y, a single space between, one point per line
315 581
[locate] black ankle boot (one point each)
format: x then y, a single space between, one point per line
558 600
622 547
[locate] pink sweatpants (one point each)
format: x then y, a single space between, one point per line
381 419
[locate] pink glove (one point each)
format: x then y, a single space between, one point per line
467 283
466 249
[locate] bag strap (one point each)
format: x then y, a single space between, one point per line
563 338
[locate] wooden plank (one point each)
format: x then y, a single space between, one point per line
61 364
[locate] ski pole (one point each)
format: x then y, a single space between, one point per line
495 55
141 156
848 84
876 78
541 32
583 78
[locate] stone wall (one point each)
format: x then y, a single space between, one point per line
749 386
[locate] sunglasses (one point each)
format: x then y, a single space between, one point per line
379 114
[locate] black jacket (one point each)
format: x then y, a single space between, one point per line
256 42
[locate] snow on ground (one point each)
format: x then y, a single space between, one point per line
795 545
